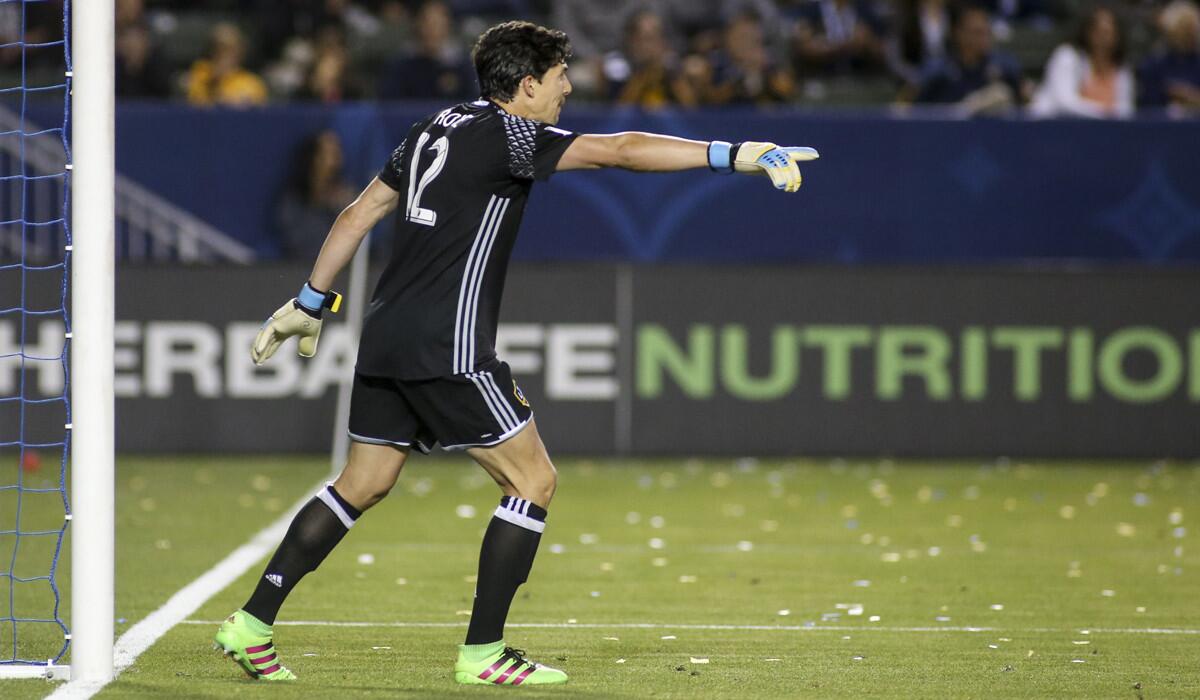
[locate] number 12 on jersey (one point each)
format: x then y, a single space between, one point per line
415 213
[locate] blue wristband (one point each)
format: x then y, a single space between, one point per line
311 299
720 155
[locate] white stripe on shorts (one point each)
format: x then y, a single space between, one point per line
497 412
508 409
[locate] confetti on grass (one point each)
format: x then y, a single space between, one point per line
698 659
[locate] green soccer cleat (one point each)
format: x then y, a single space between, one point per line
496 664
247 640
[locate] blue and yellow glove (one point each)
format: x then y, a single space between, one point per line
757 158
300 317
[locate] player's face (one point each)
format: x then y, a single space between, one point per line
552 94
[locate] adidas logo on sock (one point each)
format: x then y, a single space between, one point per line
275 579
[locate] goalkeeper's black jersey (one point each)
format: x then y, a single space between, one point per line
463 175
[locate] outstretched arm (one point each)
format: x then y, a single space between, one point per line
634 150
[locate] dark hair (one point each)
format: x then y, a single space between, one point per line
1083 40
960 11
508 52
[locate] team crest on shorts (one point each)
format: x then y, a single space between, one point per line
517 393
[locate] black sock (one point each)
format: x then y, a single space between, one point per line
509 545
313 534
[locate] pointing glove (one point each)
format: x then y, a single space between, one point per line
757 158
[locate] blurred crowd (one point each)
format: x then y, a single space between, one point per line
1046 57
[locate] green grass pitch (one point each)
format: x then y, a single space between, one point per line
696 579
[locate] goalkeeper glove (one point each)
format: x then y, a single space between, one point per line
758 158
300 316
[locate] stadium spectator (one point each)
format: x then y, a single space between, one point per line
31 23
919 37
646 73
279 22
140 70
972 76
1006 14
439 66
596 28
838 36
1170 77
220 78
702 22
743 71
329 78
314 195
1089 77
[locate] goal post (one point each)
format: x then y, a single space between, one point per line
92 319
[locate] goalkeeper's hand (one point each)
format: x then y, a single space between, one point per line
757 158
298 317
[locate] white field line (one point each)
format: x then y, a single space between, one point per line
186 601
755 628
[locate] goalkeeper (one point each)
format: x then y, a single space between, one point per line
427 372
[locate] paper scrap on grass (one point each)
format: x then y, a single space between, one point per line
611 639
667 636
366 559
465 511
698 660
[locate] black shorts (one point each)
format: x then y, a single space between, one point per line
478 409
